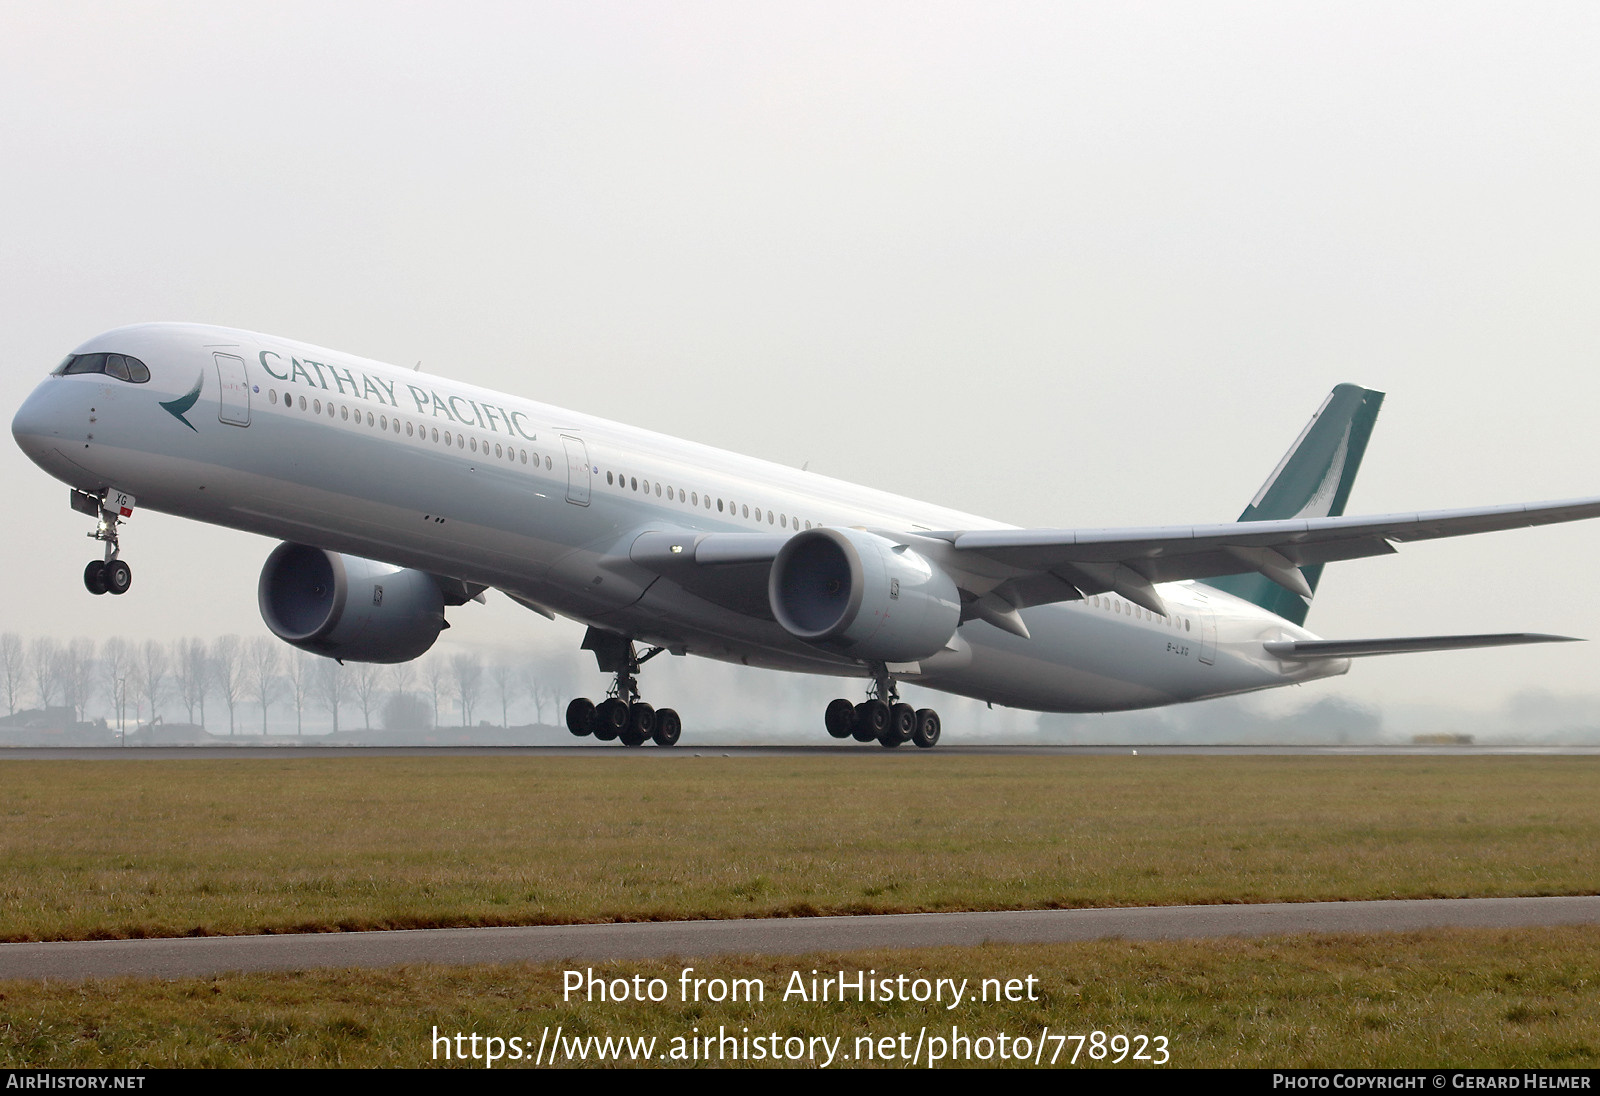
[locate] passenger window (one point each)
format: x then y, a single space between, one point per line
658 490
608 479
746 511
719 506
302 403
344 412
369 418
272 395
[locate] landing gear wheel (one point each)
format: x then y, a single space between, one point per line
119 576
94 576
641 724
872 716
580 716
927 733
668 727
902 724
610 719
840 718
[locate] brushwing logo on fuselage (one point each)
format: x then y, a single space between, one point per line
179 407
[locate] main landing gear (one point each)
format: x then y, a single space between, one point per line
110 575
882 717
622 716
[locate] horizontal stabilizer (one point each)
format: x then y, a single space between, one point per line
1317 649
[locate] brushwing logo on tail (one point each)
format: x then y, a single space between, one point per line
179 407
1320 504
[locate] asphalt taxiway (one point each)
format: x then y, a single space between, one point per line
193 957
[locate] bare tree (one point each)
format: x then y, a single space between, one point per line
13 668
152 677
466 670
503 675
116 663
328 687
227 671
261 674
365 682
550 682
401 675
45 663
302 676
76 670
199 653
434 675
189 673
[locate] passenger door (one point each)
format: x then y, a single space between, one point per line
234 384
577 470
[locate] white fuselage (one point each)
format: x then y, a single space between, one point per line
308 445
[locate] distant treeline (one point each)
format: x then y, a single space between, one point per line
128 683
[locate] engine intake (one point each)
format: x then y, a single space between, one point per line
347 607
863 595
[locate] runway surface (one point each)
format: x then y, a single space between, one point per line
288 749
213 955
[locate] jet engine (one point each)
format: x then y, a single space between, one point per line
347 607
863 595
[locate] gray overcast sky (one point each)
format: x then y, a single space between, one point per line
1061 264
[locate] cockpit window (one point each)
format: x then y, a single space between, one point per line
123 367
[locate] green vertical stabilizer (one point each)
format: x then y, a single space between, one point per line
1313 480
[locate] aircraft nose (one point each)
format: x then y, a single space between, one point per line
36 425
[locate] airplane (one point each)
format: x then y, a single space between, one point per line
399 494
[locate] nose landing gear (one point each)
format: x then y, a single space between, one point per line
110 575
882 717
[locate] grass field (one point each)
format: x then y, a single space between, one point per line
1458 999
100 849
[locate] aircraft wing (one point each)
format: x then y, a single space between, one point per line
1316 650
1036 566
1002 570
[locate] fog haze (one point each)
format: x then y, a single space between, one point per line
1059 264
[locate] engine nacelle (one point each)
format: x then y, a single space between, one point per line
347 607
862 595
